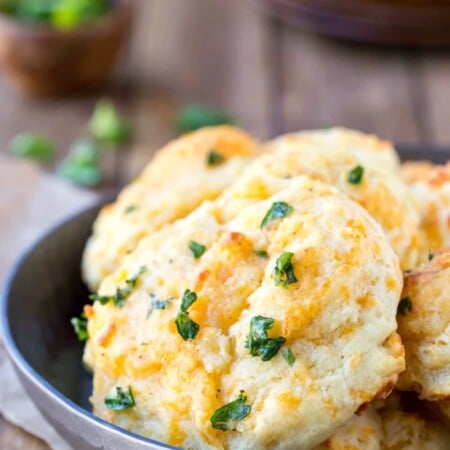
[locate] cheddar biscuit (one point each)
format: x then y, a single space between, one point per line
194 168
270 334
424 325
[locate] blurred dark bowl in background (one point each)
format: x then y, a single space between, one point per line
43 61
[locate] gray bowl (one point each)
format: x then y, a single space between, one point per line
42 293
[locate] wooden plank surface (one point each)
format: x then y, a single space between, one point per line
271 77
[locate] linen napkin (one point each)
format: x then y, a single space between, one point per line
30 202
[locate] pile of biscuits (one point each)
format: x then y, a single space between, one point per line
293 294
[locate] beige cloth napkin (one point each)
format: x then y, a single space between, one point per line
30 202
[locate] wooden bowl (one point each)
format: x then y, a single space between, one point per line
417 23
44 61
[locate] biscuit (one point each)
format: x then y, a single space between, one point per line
424 325
332 156
430 185
292 327
181 176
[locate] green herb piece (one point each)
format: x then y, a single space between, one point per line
196 249
214 158
278 210
156 303
34 146
108 126
261 253
404 306
124 399
288 355
121 294
129 209
186 327
283 272
430 255
80 326
82 165
188 298
193 117
224 417
355 175
258 341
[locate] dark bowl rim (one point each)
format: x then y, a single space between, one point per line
20 361
122 8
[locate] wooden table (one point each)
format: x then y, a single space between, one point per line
273 78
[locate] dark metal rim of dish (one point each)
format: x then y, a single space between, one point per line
31 375
410 151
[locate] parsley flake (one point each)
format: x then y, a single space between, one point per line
197 249
430 255
129 209
404 306
355 175
214 158
124 399
156 303
278 210
261 253
258 341
283 272
186 327
224 417
288 355
80 326
121 294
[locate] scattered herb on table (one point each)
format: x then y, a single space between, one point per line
80 326
34 146
283 272
108 126
82 165
186 327
196 249
225 417
193 117
278 210
258 341
121 294
124 399
355 175
404 306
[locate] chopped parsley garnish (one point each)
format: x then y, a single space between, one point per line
404 306
288 355
224 417
258 341
196 249
278 210
156 303
80 326
215 158
186 327
124 399
121 294
355 175
261 253
33 145
129 209
283 272
430 255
